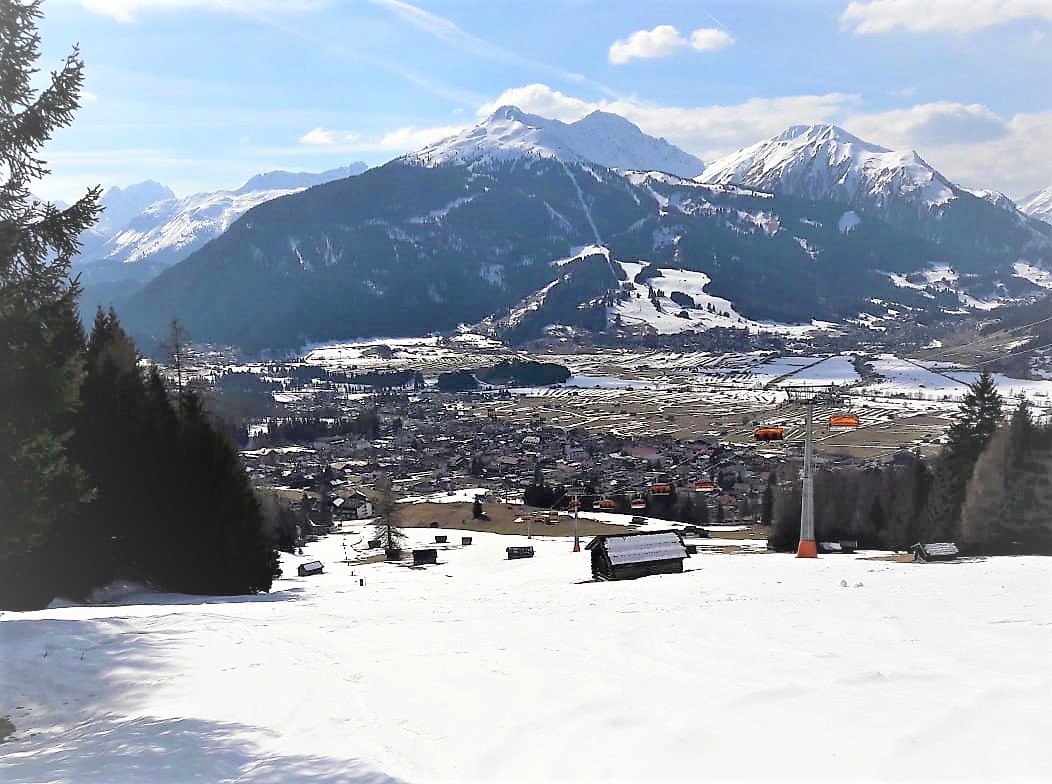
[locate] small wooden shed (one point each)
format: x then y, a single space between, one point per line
637 554
309 568
935 551
425 556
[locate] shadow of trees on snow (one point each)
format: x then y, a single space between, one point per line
74 687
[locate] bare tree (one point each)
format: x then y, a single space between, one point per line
387 512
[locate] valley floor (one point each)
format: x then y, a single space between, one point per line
747 666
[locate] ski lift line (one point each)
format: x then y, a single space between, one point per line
1005 356
955 349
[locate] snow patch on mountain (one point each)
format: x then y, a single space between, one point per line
1036 275
170 229
848 221
826 162
660 312
1039 205
603 138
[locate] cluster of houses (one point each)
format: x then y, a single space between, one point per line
432 442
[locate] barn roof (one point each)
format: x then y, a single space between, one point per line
641 547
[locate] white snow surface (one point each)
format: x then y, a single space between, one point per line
607 139
487 670
827 162
1036 275
1039 205
848 221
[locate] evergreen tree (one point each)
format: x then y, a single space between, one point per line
40 334
109 441
476 509
979 417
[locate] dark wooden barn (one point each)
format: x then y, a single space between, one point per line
637 554
309 568
425 556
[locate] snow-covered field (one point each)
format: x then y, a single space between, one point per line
754 666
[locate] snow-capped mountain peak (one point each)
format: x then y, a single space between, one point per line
827 162
168 229
122 204
285 180
1039 205
601 137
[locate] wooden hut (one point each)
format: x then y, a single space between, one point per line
426 556
309 568
636 554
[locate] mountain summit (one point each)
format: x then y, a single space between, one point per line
607 139
1039 205
827 162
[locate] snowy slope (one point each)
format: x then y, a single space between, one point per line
488 670
169 229
603 138
827 162
1039 205
122 204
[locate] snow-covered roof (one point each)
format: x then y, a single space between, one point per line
639 548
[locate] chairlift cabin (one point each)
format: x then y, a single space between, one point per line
844 421
574 505
768 434
704 487
606 503
661 489
638 503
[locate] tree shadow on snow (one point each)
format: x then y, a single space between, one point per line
73 688
168 751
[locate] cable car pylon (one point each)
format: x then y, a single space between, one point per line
807 547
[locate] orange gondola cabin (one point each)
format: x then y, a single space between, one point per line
768 434
661 489
606 503
843 420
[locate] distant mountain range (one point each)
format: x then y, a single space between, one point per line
607 139
519 224
144 228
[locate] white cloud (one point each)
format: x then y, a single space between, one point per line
326 137
709 38
330 142
665 40
662 41
706 131
1016 163
126 10
929 124
950 16
406 139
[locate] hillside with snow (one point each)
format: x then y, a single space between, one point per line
607 139
980 231
827 162
483 669
168 229
1039 205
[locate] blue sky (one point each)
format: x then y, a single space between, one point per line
201 94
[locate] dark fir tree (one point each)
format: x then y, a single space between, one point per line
979 416
40 334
